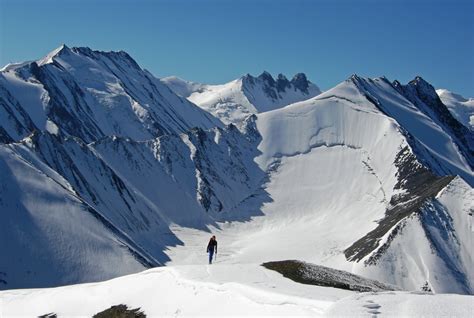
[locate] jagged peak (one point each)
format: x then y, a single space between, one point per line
418 80
301 82
282 83
267 77
356 80
298 81
356 77
248 78
396 83
423 87
299 77
282 77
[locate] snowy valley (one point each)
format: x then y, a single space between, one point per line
109 171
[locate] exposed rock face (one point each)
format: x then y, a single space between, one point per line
416 186
311 274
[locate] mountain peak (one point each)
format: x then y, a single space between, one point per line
355 79
60 51
282 83
423 87
267 77
418 80
300 81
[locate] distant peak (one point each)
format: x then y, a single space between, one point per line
300 81
62 48
60 51
423 85
396 83
248 79
355 77
299 77
418 80
282 83
266 77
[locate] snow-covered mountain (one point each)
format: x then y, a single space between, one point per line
461 108
129 188
90 94
105 172
375 153
234 101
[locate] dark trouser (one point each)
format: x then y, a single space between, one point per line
211 254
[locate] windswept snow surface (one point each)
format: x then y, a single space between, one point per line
461 108
234 101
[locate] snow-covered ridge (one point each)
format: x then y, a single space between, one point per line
423 95
234 101
91 94
235 290
336 140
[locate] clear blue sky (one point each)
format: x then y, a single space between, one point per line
214 41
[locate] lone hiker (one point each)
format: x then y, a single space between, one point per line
212 247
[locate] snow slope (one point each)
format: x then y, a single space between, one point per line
342 178
234 101
224 291
91 94
461 108
136 188
50 236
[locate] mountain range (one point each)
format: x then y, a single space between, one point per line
107 170
234 101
